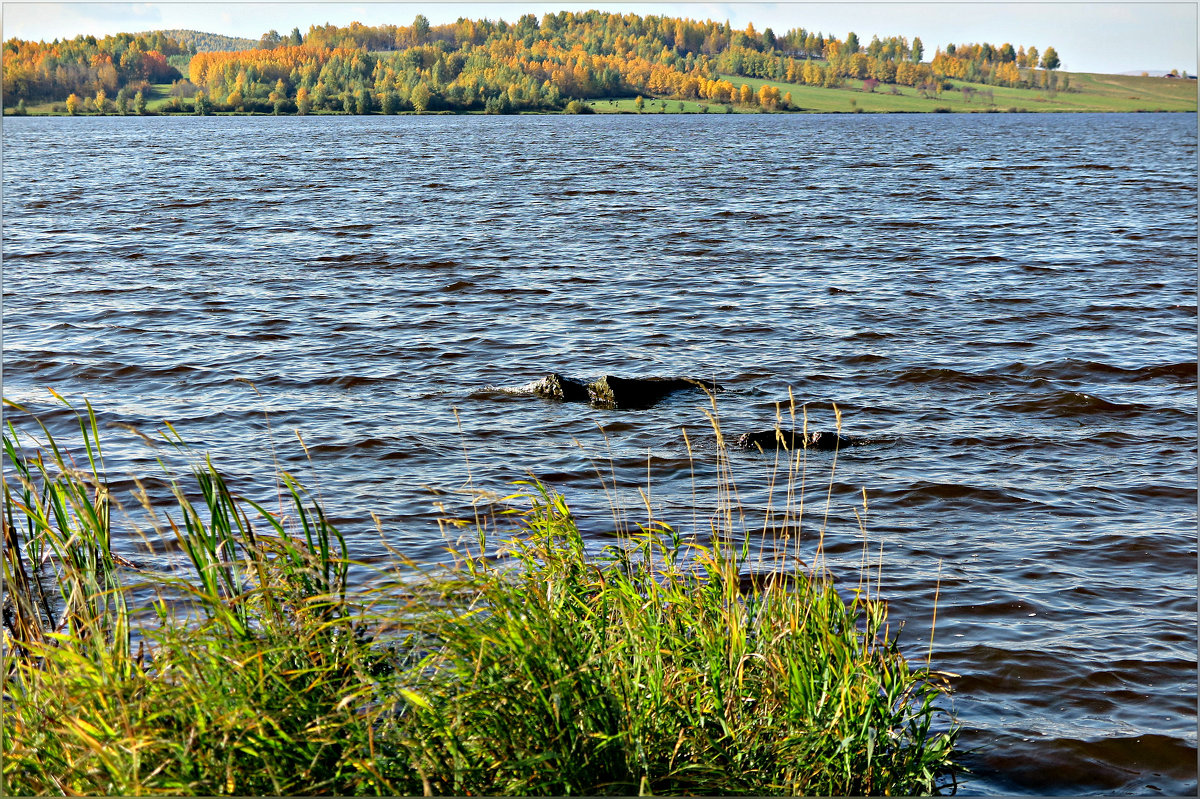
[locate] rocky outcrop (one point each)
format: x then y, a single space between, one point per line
823 441
556 387
611 391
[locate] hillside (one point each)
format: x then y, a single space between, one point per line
573 62
1086 92
201 42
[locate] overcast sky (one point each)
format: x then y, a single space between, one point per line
1089 37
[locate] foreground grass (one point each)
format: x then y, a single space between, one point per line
657 666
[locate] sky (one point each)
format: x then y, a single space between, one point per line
1089 37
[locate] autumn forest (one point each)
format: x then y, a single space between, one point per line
550 64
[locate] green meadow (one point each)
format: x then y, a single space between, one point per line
655 105
1087 92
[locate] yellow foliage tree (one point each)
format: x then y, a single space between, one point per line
1008 73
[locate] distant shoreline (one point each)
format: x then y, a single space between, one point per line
565 62
8 113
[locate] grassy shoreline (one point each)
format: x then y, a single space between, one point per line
665 664
1089 93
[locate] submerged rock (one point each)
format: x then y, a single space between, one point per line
611 391
556 387
794 439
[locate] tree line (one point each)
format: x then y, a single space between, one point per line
201 42
36 71
492 66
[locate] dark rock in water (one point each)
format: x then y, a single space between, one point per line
793 439
611 391
555 386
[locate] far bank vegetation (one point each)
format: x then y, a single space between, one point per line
533 65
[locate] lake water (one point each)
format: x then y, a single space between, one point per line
1006 303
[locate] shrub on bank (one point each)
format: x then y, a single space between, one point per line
663 665
577 107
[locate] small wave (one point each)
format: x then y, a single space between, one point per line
122 370
458 285
932 375
387 449
104 291
1015 167
1005 300
1077 403
350 381
747 215
869 335
355 259
1104 310
1150 763
900 224
1113 437
1185 370
865 359
496 393
1071 368
525 390
1046 268
974 260
589 192
1184 494
938 493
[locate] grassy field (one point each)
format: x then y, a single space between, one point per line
158 97
1089 92
667 664
653 105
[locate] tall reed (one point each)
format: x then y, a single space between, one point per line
666 664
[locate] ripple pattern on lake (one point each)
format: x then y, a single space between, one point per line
1006 302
